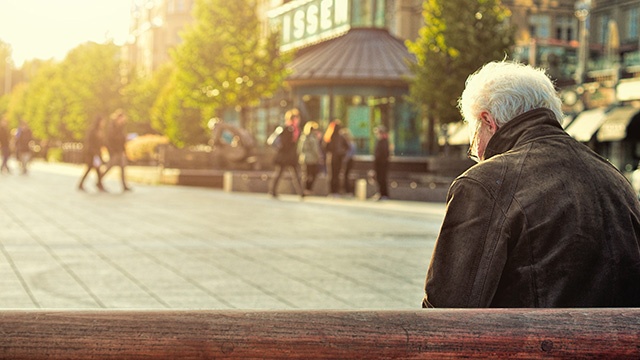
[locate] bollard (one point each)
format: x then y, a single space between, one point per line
361 189
227 181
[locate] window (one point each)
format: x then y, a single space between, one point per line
565 28
540 26
604 28
632 23
368 13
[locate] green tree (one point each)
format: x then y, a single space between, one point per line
43 102
225 61
6 81
92 81
62 99
140 95
458 37
6 68
15 104
176 118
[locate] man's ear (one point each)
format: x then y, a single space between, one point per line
489 121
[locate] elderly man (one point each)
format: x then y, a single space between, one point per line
541 220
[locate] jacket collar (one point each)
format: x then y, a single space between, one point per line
525 127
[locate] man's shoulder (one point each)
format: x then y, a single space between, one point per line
485 169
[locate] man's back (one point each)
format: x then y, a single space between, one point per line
558 227
576 224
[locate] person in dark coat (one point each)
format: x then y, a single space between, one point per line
336 147
541 220
92 152
310 155
5 146
347 161
116 140
285 140
23 139
381 162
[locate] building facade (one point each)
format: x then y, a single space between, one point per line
607 103
591 49
350 64
547 35
155 29
350 60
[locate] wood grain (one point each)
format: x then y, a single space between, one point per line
419 334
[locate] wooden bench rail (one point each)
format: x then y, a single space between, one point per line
441 333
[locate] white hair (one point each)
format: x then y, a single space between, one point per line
507 89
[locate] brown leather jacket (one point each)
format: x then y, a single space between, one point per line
543 222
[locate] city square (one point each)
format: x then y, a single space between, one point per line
176 247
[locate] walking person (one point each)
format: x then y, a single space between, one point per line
381 162
116 140
310 155
541 220
23 139
335 148
92 152
347 162
5 146
285 138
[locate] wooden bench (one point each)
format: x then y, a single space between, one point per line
484 333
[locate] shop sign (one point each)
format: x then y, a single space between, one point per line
302 22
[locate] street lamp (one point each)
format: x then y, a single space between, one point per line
582 8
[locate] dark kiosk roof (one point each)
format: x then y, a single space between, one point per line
360 57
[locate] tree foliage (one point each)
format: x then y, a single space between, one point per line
5 71
141 94
458 37
180 120
6 66
224 60
62 99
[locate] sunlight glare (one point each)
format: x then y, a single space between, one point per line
46 29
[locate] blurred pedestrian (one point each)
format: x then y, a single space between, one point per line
92 152
284 139
541 220
381 162
310 155
347 162
5 145
335 146
116 140
23 139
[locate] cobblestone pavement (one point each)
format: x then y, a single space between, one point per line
176 247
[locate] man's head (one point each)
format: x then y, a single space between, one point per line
499 92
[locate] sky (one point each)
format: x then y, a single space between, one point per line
45 29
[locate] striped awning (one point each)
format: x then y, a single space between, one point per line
615 124
586 124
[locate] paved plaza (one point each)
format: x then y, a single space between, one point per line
177 247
